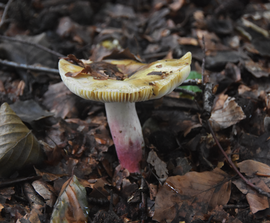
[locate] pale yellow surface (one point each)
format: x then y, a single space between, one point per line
139 87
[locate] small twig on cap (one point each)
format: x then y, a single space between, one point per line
33 44
259 190
29 67
3 19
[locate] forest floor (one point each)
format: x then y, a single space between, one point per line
206 155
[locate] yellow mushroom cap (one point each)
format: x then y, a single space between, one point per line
150 81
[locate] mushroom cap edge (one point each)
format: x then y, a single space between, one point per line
139 87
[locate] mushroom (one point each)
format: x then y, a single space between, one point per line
119 84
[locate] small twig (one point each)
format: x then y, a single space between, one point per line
185 91
143 205
208 96
235 206
203 60
29 67
7 183
33 44
5 13
208 100
197 82
259 190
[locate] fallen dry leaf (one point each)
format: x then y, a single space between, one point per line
257 69
256 201
60 101
71 205
46 191
200 192
252 168
230 114
159 166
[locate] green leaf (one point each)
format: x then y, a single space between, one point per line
194 75
195 89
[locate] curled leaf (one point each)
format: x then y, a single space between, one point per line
18 146
71 205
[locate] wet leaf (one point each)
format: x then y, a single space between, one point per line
18 146
200 192
71 205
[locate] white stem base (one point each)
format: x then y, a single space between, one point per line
127 134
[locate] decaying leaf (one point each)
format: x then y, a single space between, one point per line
193 193
252 168
71 205
29 111
59 100
257 69
220 215
99 70
230 114
158 164
18 146
46 191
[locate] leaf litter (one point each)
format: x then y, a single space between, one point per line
184 176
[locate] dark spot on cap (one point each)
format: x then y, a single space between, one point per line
159 73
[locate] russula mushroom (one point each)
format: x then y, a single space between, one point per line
119 84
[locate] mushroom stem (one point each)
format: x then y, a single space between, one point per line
127 134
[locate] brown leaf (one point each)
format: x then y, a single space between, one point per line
200 192
230 114
60 101
46 191
257 202
257 69
99 70
71 205
251 168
